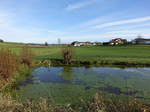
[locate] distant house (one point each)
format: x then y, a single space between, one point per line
117 41
76 43
141 41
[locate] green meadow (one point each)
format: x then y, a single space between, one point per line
129 53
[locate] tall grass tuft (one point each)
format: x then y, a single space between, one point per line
67 54
8 63
7 104
27 56
101 104
98 104
14 68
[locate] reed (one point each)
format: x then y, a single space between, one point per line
101 104
26 56
8 63
97 104
14 68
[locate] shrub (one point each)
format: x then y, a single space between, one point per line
26 56
46 44
67 53
8 63
1 40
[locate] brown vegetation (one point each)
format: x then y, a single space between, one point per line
67 53
7 104
98 104
13 67
8 63
26 56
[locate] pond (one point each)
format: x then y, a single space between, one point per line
65 85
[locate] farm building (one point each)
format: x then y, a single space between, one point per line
117 41
76 43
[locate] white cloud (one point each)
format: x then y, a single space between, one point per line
132 27
100 19
140 31
106 36
123 22
56 32
79 5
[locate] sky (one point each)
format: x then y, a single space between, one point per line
38 21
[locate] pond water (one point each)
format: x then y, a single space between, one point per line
71 84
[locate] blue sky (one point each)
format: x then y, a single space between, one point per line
73 20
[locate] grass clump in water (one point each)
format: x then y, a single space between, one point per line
67 54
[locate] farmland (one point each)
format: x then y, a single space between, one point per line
131 53
107 53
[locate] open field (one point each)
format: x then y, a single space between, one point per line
37 49
135 54
115 53
132 53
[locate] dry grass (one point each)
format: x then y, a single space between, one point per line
7 104
98 104
26 56
14 67
8 63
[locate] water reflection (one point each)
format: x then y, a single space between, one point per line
67 74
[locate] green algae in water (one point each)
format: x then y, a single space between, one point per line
65 85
